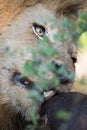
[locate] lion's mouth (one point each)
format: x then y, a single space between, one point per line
24 82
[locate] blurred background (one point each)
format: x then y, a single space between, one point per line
81 65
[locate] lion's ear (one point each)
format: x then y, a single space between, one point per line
71 7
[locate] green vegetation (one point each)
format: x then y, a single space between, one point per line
63 115
38 69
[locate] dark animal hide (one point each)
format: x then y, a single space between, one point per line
75 104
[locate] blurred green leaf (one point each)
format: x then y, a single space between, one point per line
64 115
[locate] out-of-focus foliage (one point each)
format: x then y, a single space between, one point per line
63 115
40 66
83 40
83 27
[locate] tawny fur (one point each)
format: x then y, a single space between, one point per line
16 35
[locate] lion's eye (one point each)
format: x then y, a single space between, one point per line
39 30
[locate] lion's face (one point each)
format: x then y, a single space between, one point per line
24 32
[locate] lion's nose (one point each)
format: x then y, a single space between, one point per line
61 72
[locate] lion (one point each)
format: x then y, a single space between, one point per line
22 23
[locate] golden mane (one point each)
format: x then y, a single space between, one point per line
69 7
10 8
